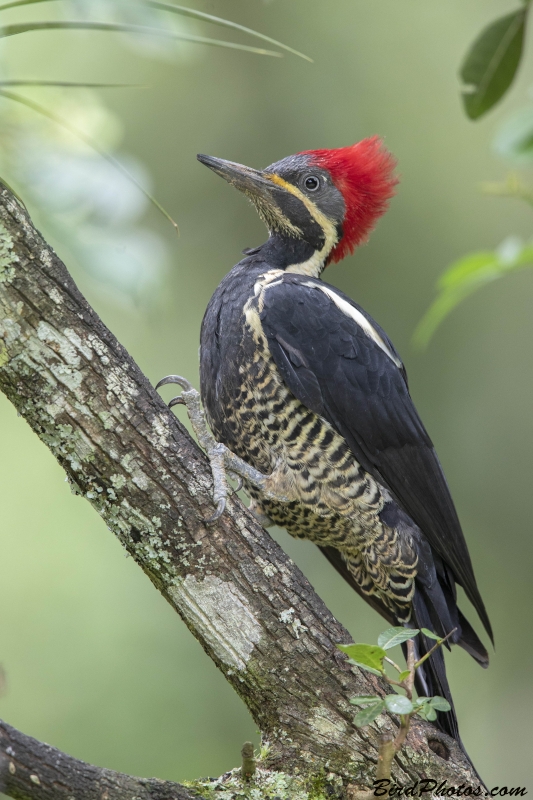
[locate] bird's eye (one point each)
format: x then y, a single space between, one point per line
311 183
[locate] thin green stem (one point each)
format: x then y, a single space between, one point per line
411 666
435 647
511 187
187 12
386 753
16 29
16 3
225 23
393 664
401 684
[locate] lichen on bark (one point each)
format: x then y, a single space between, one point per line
269 785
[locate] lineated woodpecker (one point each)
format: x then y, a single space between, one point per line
308 402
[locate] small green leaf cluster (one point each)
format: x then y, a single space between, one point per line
426 707
371 658
373 706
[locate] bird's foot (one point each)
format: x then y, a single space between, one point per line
223 461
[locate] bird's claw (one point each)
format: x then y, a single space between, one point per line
240 482
177 401
223 461
183 382
190 398
221 505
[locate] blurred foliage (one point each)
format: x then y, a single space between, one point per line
92 207
96 662
466 275
489 70
475 270
91 200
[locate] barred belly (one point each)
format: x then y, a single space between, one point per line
333 500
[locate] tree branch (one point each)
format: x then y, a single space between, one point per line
31 769
253 611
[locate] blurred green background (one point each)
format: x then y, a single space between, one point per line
96 662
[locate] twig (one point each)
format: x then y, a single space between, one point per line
248 761
387 751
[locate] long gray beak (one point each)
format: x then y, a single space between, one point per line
250 181
276 206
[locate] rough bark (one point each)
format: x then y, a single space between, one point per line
253 611
32 769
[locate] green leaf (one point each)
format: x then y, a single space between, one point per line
439 703
422 701
398 704
393 636
429 634
191 12
369 714
377 672
491 63
427 707
467 275
365 655
428 713
364 699
403 675
26 27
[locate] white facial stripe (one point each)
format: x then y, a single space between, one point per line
314 265
359 318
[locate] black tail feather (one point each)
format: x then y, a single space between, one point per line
470 642
430 678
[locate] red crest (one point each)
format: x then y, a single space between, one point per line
363 173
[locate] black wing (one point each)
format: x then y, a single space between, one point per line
355 380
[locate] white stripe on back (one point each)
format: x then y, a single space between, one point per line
358 318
